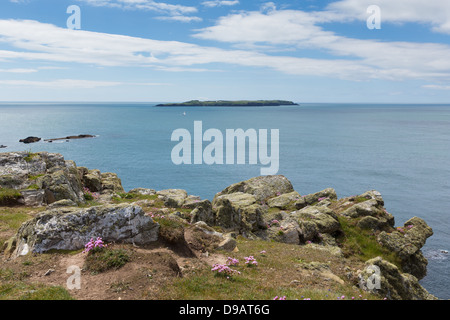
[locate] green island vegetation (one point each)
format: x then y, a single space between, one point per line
227 103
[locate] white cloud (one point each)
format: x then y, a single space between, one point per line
74 83
18 70
174 10
435 13
348 58
436 87
61 83
186 19
220 3
299 30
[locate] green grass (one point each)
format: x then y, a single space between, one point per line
12 219
363 244
30 155
103 259
131 197
24 291
9 196
273 277
31 177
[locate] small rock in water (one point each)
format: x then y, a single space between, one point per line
444 251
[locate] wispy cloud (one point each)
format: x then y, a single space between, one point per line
173 12
220 3
436 87
18 70
300 30
435 13
74 83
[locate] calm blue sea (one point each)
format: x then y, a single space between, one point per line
403 151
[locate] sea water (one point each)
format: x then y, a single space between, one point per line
403 151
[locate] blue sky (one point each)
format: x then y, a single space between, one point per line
174 50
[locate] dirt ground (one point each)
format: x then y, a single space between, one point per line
143 277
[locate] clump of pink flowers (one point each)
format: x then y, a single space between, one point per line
232 261
280 298
89 195
225 270
250 261
323 198
92 244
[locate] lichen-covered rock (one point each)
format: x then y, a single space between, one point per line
238 211
285 201
262 188
373 194
363 209
203 212
33 198
72 228
324 218
406 242
93 180
62 184
385 279
285 231
173 198
329 193
62 203
143 191
111 183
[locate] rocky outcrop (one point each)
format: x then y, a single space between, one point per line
43 178
383 278
72 228
265 208
81 136
406 242
30 140
262 188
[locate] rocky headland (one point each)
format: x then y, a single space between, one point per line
318 241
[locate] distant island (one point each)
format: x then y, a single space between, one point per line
225 103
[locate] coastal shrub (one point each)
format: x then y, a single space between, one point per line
89 195
363 244
29 156
103 259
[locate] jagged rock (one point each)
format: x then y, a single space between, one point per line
291 199
407 242
111 183
385 279
62 184
363 209
324 218
285 231
375 195
372 223
72 228
203 212
191 202
228 244
329 193
173 198
262 188
143 191
33 198
238 211
93 180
